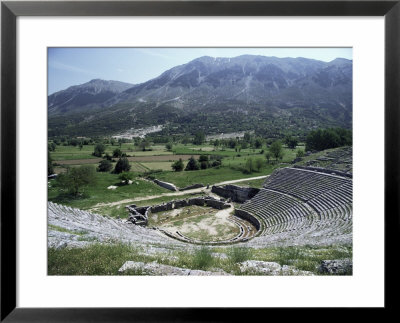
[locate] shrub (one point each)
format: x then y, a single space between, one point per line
104 166
178 165
122 165
202 258
76 177
99 150
169 146
125 177
300 153
204 165
239 254
107 156
50 169
192 164
117 153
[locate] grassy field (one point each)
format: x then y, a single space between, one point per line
107 259
70 152
164 166
257 183
209 176
210 150
98 193
157 159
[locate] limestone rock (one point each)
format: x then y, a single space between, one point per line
156 269
270 268
337 266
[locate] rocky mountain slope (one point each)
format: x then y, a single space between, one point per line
79 98
266 87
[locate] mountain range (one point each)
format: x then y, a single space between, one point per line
299 92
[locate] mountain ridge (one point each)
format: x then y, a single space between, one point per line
249 83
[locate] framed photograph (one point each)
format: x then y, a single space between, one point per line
205 139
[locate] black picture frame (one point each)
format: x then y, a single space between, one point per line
10 10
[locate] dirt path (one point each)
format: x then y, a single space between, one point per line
150 197
242 180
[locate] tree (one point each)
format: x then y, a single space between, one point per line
203 165
199 138
178 165
291 142
232 143
144 144
276 150
268 155
104 166
76 178
169 146
192 164
247 137
125 177
216 144
52 146
258 143
117 153
249 167
50 169
122 165
258 164
321 139
204 161
99 150
74 142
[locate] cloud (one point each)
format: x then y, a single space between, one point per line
152 52
69 68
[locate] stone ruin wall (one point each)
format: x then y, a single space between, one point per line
190 187
166 185
235 193
176 204
172 187
248 217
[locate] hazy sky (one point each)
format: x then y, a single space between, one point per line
72 66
